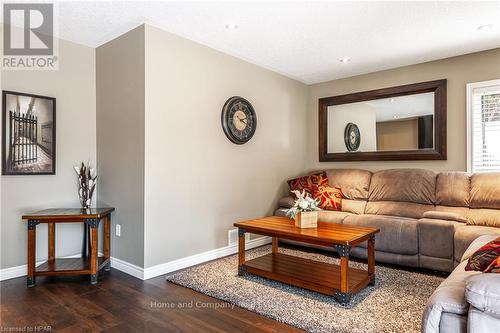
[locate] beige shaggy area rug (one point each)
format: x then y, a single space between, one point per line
394 304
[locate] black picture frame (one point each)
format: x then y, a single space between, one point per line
29 149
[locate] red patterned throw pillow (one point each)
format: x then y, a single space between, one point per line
484 256
494 267
307 182
329 198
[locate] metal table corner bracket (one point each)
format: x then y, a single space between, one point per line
241 232
343 298
30 280
32 224
343 250
93 223
241 270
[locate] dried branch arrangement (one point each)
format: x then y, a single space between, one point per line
87 178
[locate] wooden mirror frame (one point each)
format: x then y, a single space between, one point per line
438 87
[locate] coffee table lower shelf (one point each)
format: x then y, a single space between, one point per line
309 274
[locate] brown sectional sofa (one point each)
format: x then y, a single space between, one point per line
426 219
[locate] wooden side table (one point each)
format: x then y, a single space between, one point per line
87 264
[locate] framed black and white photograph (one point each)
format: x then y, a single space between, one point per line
28 134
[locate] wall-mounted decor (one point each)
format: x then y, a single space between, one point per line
239 120
29 134
398 123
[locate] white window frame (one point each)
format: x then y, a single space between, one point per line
469 89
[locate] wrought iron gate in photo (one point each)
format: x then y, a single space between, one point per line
23 147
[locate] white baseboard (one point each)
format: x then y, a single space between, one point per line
153 271
199 258
128 268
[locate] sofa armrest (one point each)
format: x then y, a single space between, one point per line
435 239
447 216
287 202
476 244
483 292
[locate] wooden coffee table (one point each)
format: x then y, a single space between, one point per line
340 282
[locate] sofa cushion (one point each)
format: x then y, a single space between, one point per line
447 216
332 216
466 234
486 217
483 292
353 182
287 202
353 206
410 185
397 234
463 212
453 189
449 297
484 256
395 208
280 211
485 190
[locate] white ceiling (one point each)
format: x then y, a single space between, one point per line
403 107
390 109
302 40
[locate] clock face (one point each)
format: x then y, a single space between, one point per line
352 137
239 121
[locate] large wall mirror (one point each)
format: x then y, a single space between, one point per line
398 123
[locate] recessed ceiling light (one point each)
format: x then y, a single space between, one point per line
396 117
485 27
231 26
392 100
345 60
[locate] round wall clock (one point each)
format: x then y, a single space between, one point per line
352 137
238 120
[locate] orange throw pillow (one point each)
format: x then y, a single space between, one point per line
329 198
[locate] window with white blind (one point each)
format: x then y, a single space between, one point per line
483 126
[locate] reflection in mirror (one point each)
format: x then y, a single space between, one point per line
386 124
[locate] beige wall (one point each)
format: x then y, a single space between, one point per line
363 115
397 135
458 70
73 86
120 140
198 183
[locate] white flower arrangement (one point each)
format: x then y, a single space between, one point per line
304 203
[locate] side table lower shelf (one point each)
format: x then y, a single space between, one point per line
71 266
68 266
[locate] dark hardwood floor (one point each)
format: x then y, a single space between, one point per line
121 303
